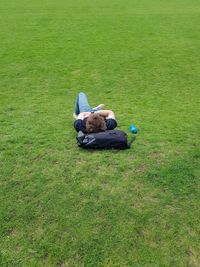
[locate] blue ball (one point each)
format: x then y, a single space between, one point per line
133 129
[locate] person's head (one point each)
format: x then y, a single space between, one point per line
95 123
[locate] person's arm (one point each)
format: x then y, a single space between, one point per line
83 115
107 114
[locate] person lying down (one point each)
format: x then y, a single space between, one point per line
92 120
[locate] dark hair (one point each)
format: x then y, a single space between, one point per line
95 123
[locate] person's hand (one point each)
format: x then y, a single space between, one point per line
83 115
108 114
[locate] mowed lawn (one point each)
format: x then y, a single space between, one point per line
62 206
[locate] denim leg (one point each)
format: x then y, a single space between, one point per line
82 104
76 107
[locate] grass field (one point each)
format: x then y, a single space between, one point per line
61 206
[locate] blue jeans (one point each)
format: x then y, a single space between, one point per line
82 104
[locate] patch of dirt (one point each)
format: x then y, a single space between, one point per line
141 168
194 259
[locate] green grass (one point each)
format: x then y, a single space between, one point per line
62 206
